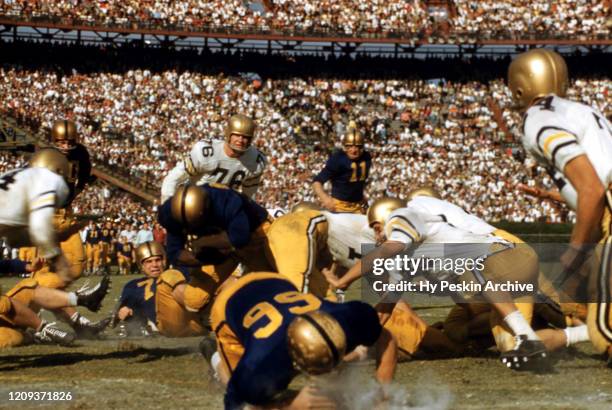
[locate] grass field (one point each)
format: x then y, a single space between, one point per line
160 373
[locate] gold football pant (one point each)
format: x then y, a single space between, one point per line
351 207
23 291
174 320
407 329
599 316
125 263
296 242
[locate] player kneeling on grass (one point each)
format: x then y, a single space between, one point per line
267 332
165 301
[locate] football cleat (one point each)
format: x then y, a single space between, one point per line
208 347
52 335
90 330
526 355
92 298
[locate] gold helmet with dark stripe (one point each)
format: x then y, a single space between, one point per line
53 160
535 74
382 208
423 191
306 206
241 125
148 250
353 137
189 206
64 130
316 342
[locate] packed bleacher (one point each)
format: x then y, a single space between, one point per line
423 128
490 18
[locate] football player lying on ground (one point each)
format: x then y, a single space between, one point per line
400 226
165 300
267 332
17 311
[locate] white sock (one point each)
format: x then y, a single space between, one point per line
72 299
215 361
576 334
519 326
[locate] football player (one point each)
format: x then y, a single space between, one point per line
233 162
125 256
301 244
400 226
28 200
267 331
28 296
574 142
224 222
165 300
348 171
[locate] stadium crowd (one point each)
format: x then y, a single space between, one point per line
566 17
346 17
443 132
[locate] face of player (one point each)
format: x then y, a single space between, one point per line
239 142
353 151
153 266
379 234
65 145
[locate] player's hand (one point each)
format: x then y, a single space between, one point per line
331 277
124 313
310 398
328 203
533 191
35 265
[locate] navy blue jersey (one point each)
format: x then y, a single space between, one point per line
259 314
125 249
12 266
93 236
139 295
229 211
348 177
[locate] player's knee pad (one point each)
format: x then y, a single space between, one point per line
196 297
10 337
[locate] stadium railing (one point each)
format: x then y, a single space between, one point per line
263 32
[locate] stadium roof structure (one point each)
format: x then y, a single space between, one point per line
288 41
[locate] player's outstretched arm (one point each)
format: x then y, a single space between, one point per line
386 357
549 195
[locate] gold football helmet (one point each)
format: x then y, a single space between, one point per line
537 73
241 125
423 191
317 342
305 206
353 137
382 208
189 206
53 160
148 250
64 130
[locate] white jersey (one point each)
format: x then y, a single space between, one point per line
208 163
426 229
28 199
452 214
557 130
346 233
